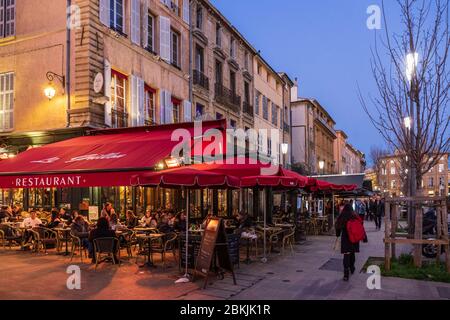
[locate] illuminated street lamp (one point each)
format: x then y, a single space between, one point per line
284 148
412 60
407 122
50 91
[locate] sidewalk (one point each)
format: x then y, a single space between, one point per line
313 272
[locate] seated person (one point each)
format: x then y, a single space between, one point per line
31 222
131 221
80 228
180 223
4 214
244 220
55 221
146 219
163 226
114 222
101 231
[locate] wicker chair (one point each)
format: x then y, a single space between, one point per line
289 240
77 245
168 244
9 234
108 247
130 240
275 238
43 237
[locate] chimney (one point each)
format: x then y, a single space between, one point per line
294 91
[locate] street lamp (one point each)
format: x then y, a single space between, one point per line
50 90
407 122
284 148
412 60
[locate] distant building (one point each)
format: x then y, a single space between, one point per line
313 135
392 175
349 160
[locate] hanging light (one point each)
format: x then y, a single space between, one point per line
50 91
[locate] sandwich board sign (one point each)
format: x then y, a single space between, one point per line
213 250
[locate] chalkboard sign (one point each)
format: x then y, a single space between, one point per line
214 248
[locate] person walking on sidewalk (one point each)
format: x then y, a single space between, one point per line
348 248
379 212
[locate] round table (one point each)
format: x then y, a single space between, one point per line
248 237
65 233
149 238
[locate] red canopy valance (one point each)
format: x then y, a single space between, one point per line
103 158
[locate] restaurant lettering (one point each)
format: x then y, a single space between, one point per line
35 182
87 157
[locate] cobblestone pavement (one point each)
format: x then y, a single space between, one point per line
313 271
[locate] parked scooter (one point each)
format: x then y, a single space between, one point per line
429 231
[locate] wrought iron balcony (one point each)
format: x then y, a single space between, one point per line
248 109
119 118
201 80
228 97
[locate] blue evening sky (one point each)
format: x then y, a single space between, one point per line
325 44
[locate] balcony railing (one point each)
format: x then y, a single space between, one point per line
174 8
119 119
248 108
228 97
201 80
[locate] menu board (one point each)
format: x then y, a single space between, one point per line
208 245
214 244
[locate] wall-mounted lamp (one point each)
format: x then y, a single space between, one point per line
50 90
284 148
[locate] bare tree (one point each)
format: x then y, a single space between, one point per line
376 154
411 108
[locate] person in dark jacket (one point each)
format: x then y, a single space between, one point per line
379 212
101 231
55 221
180 222
348 249
131 221
80 228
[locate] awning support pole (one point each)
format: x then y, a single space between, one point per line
264 258
185 278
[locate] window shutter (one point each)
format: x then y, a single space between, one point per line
144 16
2 18
135 22
141 104
162 107
165 38
104 8
134 101
169 107
187 109
10 18
186 11
107 91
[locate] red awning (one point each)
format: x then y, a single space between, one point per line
191 177
245 173
320 185
103 158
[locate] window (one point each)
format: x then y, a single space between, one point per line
174 7
199 59
176 110
441 181
246 92
233 123
218 72
199 111
175 46
151 33
199 21
269 147
257 98
430 182
233 82
117 15
259 69
118 100
219 116
232 48
218 35
274 114
441 167
246 61
150 109
6 101
393 184
7 18
265 106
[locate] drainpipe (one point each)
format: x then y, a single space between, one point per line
68 58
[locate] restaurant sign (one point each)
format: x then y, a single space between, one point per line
48 181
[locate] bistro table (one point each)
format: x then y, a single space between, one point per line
145 229
65 232
149 237
248 237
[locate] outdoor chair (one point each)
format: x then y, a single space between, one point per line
107 247
44 237
2 239
10 235
168 244
77 245
289 240
275 238
129 240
